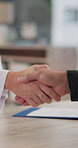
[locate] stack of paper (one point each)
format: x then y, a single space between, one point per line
59 113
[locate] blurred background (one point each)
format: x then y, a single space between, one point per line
39 31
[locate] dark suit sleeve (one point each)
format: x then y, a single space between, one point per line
72 76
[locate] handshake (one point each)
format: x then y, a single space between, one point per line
37 85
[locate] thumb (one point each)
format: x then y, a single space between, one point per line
29 77
42 66
33 76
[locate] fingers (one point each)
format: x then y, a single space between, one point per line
38 100
32 102
37 67
35 101
44 98
43 94
21 101
32 75
50 92
40 97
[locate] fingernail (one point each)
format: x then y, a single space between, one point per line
26 104
16 98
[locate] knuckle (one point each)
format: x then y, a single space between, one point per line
58 99
50 92
53 94
55 97
35 105
35 66
42 103
46 66
49 101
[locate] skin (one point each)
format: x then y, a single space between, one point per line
55 80
28 93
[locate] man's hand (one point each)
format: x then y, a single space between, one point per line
57 81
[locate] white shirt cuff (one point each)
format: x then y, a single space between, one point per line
3 92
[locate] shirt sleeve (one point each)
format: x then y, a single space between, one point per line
72 76
3 92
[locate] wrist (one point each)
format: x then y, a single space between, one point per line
12 79
9 80
66 82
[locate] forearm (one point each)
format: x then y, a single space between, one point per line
12 79
3 92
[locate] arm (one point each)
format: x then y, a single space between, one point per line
3 92
8 81
72 76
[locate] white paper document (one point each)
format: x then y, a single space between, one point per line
54 112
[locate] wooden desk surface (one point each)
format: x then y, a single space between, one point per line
37 133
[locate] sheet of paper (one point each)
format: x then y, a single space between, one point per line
54 112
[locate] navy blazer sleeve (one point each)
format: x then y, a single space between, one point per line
72 76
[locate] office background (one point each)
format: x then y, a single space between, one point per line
37 32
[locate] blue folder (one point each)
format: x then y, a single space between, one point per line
26 112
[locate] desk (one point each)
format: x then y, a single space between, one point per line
37 133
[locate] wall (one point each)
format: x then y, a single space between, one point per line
33 10
63 33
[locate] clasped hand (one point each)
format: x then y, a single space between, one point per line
37 85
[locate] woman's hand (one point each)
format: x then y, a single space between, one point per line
31 92
43 76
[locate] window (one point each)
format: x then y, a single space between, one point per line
71 16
